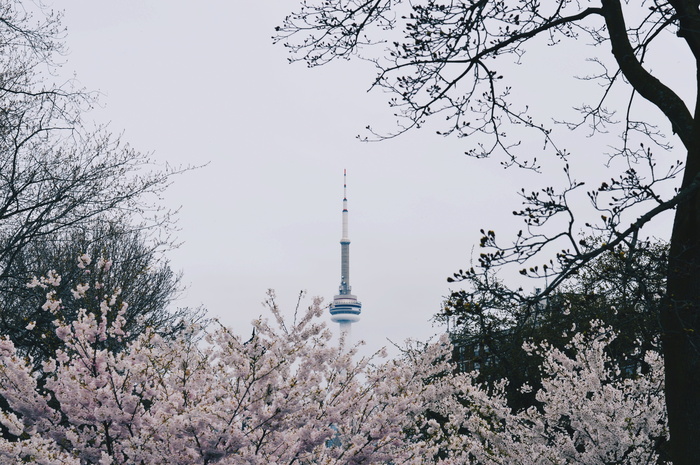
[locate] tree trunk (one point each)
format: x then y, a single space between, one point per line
680 319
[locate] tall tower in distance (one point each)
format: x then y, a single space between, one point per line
345 308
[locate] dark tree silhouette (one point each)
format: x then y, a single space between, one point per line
68 188
454 59
622 292
58 173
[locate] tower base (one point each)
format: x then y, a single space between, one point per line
345 331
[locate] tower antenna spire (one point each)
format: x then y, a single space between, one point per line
345 308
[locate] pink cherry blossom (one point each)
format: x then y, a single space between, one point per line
288 394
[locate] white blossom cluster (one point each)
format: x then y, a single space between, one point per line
289 396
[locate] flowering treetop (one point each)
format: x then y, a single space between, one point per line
288 395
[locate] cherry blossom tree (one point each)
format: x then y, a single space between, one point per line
603 92
138 270
587 412
289 395
286 395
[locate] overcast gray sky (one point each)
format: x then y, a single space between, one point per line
202 82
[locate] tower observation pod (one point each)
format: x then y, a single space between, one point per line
345 308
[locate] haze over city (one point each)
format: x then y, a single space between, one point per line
206 86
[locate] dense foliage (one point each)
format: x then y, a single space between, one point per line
622 288
140 275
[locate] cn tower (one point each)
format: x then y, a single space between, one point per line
345 308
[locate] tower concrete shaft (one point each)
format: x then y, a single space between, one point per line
345 308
